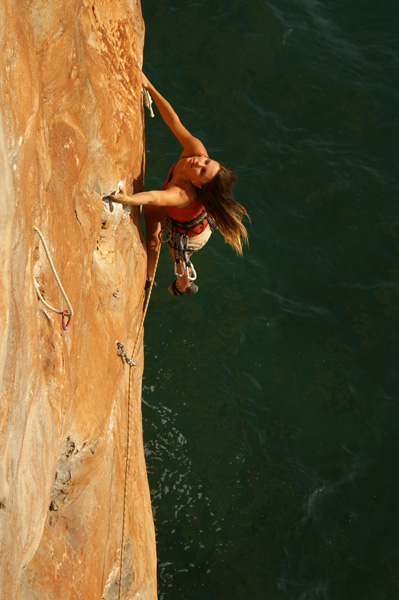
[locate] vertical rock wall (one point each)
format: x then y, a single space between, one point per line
70 128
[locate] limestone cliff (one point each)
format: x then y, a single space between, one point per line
71 126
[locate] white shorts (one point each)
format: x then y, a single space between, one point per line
197 242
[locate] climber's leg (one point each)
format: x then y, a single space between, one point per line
153 217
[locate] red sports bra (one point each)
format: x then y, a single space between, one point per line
189 212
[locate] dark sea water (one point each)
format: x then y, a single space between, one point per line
271 397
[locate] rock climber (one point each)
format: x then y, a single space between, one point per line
196 198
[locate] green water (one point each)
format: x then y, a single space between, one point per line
270 398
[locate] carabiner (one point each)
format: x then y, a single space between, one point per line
66 313
190 268
183 242
182 266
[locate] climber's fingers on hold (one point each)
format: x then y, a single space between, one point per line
119 197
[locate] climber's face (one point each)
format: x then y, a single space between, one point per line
202 169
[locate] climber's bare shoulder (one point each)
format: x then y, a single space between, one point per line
174 195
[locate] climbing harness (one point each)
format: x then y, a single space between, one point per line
148 101
66 315
186 226
131 364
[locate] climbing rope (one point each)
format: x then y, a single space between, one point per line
66 314
131 364
148 101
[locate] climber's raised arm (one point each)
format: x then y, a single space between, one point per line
191 145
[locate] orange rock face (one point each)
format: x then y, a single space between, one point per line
71 126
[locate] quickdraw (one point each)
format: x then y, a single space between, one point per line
148 101
182 258
124 356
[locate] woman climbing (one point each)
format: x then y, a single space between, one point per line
196 198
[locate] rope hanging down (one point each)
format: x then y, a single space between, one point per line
129 405
66 314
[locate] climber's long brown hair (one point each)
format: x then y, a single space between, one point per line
217 197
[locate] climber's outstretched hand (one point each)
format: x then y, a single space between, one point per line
119 197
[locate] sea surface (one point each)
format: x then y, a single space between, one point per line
270 398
